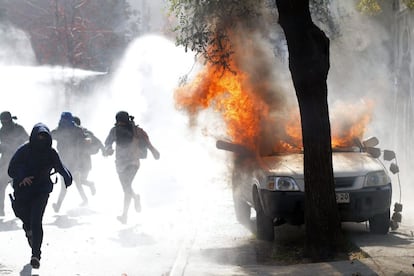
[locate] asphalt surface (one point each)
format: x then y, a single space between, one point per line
205 241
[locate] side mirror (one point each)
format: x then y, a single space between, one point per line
370 142
374 152
394 168
389 155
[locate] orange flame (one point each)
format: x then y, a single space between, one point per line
230 94
349 122
247 116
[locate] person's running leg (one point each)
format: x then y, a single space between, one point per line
62 194
126 178
38 206
22 209
78 182
84 180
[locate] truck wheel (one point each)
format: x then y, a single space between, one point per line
265 227
380 223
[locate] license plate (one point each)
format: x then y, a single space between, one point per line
342 198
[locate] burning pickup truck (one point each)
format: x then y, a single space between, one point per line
274 187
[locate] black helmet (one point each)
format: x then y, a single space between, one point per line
77 120
122 116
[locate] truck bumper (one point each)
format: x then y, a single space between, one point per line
364 204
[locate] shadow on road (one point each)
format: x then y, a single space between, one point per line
287 248
4 270
360 234
78 212
26 270
64 221
285 254
130 237
252 251
10 225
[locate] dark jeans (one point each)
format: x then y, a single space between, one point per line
30 210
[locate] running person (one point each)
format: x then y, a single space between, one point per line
12 135
127 136
30 169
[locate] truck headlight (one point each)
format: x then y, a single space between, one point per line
379 178
282 183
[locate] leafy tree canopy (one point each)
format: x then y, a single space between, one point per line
204 26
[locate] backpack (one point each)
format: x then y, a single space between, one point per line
94 144
141 140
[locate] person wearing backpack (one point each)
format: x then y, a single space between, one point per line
91 147
132 143
12 135
30 168
70 141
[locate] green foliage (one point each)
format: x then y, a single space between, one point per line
370 7
204 26
409 4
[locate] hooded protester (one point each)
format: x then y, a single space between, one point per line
131 143
12 135
30 168
70 140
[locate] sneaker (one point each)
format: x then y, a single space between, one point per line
35 262
122 219
84 203
137 201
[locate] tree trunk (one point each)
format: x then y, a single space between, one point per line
309 65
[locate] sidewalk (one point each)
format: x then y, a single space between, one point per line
369 266
393 255
221 247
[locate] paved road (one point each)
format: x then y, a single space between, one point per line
184 235
90 241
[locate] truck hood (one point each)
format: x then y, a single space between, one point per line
344 164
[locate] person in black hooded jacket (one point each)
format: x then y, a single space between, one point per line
30 168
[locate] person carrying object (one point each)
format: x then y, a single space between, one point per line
30 168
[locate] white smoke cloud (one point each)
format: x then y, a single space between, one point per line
14 44
361 70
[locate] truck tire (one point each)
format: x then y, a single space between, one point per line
380 223
264 224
